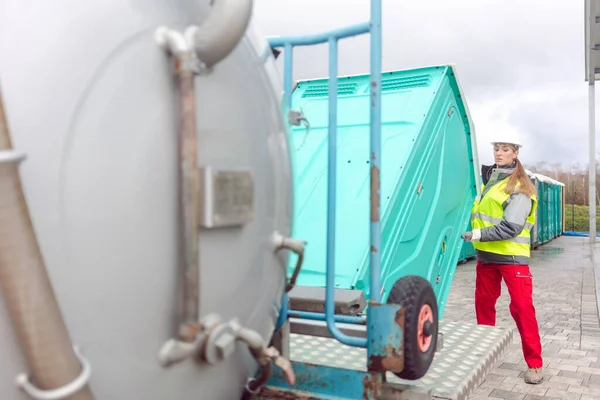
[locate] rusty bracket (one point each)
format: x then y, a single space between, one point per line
385 328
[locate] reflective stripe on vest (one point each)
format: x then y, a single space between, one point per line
488 211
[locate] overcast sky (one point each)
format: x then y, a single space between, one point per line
521 63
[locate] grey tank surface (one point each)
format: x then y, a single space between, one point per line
91 99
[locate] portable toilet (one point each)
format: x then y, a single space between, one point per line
429 178
534 232
562 209
543 210
551 208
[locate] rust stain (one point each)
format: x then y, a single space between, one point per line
375 186
309 377
393 361
393 358
373 249
268 393
208 332
399 319
372 387
375 363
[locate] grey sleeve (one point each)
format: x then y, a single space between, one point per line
516 209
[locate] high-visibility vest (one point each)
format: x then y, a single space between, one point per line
488 211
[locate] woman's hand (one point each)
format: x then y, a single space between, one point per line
472 236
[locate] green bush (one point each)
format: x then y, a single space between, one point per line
581 222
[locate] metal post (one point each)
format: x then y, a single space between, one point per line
573 205
288 64
375 254
592 161
590 22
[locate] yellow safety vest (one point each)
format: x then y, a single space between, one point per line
489 212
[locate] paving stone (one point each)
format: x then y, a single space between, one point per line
593 371
572 352
579 363
514 367
564 367
591 384
563 395
483 393
525 388
592 360
536 397
566 379
492 377
583 390
577 375
504 394
497 385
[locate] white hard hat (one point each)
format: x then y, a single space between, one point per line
508 138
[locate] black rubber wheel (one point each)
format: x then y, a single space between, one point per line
416 296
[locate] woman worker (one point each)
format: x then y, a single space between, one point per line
502 219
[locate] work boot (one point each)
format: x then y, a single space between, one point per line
534 376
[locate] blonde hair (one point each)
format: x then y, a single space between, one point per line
519 177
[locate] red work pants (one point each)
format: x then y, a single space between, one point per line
518 279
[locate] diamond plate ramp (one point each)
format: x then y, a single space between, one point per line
469 352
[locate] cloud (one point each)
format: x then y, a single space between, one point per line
521 63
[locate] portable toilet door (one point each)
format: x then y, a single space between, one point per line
562 208
556 208
550 210
546 208
542 210
534 232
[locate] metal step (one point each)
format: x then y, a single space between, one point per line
312 299
469 353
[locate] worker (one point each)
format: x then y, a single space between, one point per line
502 219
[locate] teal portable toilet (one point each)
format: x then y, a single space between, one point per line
540 210
552 208
561 208
555 211
429 178
534 232
558 207
546 208
543 209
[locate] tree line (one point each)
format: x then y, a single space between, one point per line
575 177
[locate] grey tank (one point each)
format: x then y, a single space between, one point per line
91 99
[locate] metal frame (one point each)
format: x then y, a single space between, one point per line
384 332
373 27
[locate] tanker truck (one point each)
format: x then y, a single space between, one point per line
151 243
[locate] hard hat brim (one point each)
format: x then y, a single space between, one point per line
519 145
